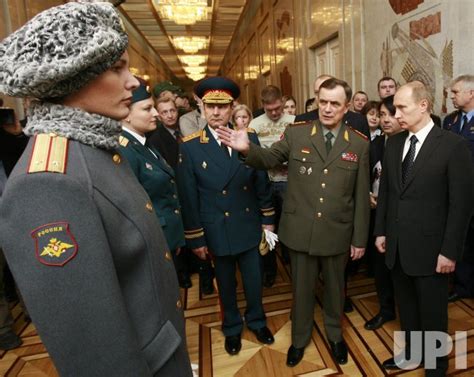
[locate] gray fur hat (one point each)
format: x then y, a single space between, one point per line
60 50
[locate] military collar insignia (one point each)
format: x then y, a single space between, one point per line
54 244
346 135
313 130
204 139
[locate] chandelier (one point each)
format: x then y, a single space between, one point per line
182 12
190 45
193 60
196 76
195 70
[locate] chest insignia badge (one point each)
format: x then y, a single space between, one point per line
148 166
302 170
204 165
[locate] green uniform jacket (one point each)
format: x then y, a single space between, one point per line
326 208
158 180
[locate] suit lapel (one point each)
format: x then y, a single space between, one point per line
427 149
214 151
317 139
399 151
157 160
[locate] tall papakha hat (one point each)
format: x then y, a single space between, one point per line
61 49
220 90
142 92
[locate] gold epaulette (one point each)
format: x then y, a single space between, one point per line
195 233
300 123
192 136
358 132
123 141
251 130
268 211
49 154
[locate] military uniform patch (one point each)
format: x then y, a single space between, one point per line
54 244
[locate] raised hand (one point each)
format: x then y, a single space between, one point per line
236 139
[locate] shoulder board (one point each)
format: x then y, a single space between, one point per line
191 136
300 123
123 141
358 132
251 130
49 154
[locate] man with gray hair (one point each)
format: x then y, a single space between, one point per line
461 122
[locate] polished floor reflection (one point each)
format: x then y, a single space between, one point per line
367 349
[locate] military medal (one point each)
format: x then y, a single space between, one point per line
349 156
302 170
204 165
310 170
148 166
305 150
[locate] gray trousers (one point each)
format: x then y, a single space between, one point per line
305 271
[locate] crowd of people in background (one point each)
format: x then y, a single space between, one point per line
331 193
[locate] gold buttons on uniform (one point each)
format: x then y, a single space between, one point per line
303 159
325 171
176 211
116 158
323 185
226 214
319 214
149 206
178 304
321 200
224 192
168 256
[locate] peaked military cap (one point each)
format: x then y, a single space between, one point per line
217 90
142 92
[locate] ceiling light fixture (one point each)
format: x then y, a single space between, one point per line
190 45
193 60
197 76
195 70
182 12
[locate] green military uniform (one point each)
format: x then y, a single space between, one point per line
326 210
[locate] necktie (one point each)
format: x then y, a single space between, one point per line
464 123
178 137
225 150
329 137
409 159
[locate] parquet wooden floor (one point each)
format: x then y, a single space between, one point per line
367 349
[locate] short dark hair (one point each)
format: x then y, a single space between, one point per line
386 78
333 83
360 92
369 106
270 94
388 103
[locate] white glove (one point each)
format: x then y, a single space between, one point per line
272 238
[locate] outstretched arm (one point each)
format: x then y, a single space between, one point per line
236 139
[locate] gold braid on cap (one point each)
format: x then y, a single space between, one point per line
217 96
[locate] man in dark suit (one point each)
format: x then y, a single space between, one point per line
351 118
167 139
325 213
461 122
425 203
225 206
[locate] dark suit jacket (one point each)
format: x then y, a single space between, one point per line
166 144
428 215
351 118
224 201
11 148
